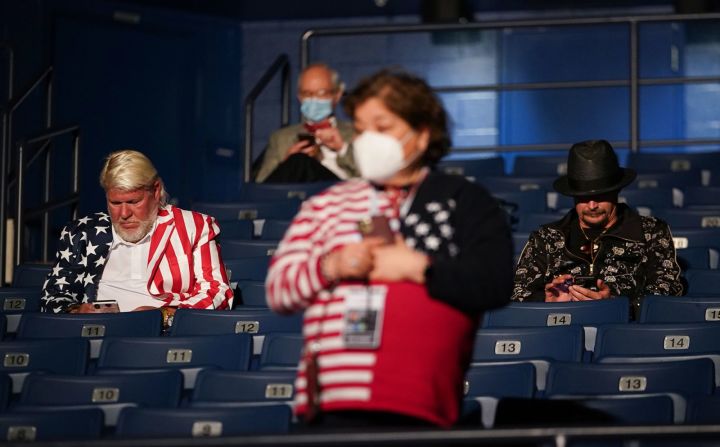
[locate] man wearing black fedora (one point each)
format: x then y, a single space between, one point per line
600 248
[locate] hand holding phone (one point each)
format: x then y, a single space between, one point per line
377 226
587 282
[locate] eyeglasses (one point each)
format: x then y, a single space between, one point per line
324 93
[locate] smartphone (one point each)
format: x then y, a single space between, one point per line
377 226
588 282
305 136
106 307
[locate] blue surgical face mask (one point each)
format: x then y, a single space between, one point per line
316 109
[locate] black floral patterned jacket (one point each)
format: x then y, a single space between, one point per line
635 258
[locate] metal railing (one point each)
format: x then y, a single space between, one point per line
45 150
7 125
10 68
281 65
633 81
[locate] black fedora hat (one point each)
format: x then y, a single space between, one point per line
593 168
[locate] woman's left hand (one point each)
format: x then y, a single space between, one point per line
398 262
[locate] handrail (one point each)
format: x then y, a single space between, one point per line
282 65
48 205
11 68
633 81
7 123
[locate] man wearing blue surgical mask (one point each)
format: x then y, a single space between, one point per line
316 149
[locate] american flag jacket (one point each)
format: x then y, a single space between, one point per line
184 260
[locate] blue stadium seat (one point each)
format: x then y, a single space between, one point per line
262 192
649 180
486 384
256 322
109 392
250 293
5 391
702 197
703 410
678 162
649 342
281 351
60 356
645 201
188 354
678 309
14 301
273 229
30 275
588 314
238 248
531 201
631 410
91 326
280 209
519 241
703 282
51 425
528 222
213 386
236 229
536 345
474 169
203 422
689 218
539 166
247 268
698 258
3 327
698 237
516 183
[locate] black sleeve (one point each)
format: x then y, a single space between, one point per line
480 277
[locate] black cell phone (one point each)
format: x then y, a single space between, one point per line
308 137
587 282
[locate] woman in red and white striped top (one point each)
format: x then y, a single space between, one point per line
392 270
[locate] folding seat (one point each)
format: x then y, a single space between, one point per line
689 218
649 180
15 301
203 422
5 391
627 379
236 229
281 351
256 322
642 343
652 198
588 314
679 309
279 209
250 293
216 386
247 268
697 237
531 201
263 192
536 166
474 169
239 248
698 258
703 410
678 162
517 183
51 425
30 275
631 410
60 356
109 392
486 384
188 354
536 345
702 197
519 241
703 282
529 222
272 229
91 326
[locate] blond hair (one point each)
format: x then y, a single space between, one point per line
129 170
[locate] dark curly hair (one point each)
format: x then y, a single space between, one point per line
410 98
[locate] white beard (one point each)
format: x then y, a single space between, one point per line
137 234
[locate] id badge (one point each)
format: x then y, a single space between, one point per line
364 309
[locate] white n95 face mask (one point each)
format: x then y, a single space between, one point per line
379 156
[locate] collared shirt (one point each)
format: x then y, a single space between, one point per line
126 273
329 160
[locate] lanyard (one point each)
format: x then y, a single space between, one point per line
399 211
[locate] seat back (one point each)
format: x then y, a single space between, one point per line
238 248
262 192
703 282
244 386
698 258
60 356
236 229
250 321
30 275
517 183
562 343
500 380
281 351
48 425
696 237
689 218
273 229
703 410
531 201
203 422
548 166
675 309
682 179
123 324
250 293
474 169
702 197
278 209
678 162
247 268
